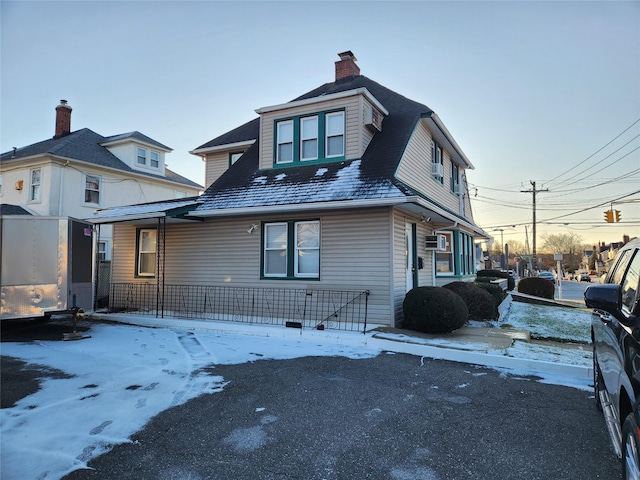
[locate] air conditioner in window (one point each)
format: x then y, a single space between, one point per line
437 170
372 118
435 242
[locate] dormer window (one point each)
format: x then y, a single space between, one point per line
284 152
309 138
312 137
335 134
154 159
142 156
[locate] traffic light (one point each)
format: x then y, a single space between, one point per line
608 216
617 215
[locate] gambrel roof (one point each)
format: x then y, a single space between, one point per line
86 146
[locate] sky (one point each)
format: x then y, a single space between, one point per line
145 371
543 91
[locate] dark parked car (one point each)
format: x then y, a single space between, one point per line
584 277
615 332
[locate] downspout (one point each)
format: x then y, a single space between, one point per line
60 188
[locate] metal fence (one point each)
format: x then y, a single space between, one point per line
301 308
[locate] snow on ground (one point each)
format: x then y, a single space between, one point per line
122 376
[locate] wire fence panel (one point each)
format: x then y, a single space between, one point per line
332 309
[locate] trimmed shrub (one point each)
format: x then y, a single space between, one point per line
538 287
511 282
434 310
495 291
479 302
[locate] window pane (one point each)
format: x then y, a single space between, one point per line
35 177
285 132
285 153
309 127
630 284
91 196
147 264
148 241
335 146
142 156
308 235
335 124
309 149
275 263
154 159
308 262
35 192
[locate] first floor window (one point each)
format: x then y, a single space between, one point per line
291 249
92 189
154 159
444 259
34 185
467 262
146 255
102 251
142 156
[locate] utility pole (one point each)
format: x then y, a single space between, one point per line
534 191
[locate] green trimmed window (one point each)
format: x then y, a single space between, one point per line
291 250
316 137
146 244
458 258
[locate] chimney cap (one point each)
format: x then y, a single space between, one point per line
347 55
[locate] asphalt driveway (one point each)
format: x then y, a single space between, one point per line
390 417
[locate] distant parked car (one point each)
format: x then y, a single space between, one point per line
615 331
547 276
584 277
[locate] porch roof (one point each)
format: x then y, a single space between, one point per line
173 210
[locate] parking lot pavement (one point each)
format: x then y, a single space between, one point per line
393 416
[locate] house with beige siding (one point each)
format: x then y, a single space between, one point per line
319 212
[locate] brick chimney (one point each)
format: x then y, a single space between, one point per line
346 67
63 119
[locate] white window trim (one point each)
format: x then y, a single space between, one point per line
107 250
141 252
303 139
278 142
138 156
327 136
32 199
84 190
449 234
151 159
296 271
275 249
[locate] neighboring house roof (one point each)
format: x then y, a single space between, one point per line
244 133
7 209
371 177
136 136
85 145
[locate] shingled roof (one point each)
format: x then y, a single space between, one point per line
85 145
371 177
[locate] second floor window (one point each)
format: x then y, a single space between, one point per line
455 179
142 156
34 185
154 159
314 137
92 189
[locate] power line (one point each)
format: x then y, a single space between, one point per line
534 191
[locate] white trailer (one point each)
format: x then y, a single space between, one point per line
45 265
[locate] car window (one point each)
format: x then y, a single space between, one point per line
630 285
620 267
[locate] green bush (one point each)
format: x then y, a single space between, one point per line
479 302
538 287
511 282
434 310
495 291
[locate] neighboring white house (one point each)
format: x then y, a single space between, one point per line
350 187
75 173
